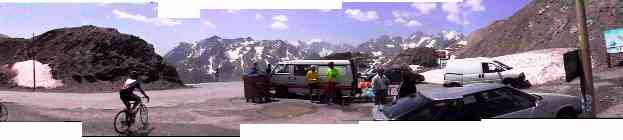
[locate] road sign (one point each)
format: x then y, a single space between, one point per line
614 40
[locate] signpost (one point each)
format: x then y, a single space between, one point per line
614 42
586 80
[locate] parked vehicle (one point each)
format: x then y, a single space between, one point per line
393 74
460 72
289 76
480 101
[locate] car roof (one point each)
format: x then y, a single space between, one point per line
459 92
316 62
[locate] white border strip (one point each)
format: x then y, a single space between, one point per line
191 8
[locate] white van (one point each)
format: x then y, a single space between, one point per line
289 76
460 72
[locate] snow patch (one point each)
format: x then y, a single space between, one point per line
42 74
377 53
234 54
431 44
325 52
422 40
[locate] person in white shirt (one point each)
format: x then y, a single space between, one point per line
380 84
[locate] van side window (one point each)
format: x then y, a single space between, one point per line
283 69
490 68
301 70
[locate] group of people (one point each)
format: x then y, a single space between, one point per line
379 85
312 80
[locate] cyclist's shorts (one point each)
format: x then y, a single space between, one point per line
128 96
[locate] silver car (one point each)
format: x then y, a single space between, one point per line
479 101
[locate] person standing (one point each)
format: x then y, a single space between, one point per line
311 78
332 76
253 69
380 84
407 86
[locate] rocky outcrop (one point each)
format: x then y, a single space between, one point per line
426 57
90 58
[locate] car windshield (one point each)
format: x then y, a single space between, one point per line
503 65
405 105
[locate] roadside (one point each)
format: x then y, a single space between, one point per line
608 89
212 109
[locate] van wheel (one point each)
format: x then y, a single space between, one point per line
281 92
452 85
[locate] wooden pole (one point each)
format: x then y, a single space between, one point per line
585 59
609 60
32 52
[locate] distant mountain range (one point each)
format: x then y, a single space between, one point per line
219 59
4 36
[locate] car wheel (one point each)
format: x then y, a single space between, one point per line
507 81
567 113
456 85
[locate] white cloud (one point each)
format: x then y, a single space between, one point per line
259 17
424 8
279 25
279 22
141 18
361 15
405 19
475 5
400 20
454 13
314 40
413 23
209 24
280 18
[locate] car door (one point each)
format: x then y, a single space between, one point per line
508 103
437 110
491 73
280 75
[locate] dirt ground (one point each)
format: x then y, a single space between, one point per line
214 109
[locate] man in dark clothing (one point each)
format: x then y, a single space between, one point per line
407 87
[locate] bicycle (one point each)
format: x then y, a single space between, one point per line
122 122
4 113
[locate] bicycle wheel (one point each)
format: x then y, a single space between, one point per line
121 123
143 113
4 113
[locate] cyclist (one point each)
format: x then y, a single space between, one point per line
127 94
332 76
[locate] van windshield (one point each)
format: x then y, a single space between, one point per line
503 65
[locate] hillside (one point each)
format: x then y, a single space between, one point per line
544 24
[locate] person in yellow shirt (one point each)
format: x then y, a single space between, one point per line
311 78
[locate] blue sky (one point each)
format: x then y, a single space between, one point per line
354 23
357 22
